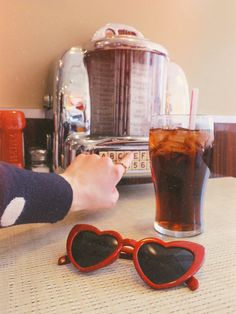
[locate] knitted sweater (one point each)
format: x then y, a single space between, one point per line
30 197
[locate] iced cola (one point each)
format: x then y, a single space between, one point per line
179 163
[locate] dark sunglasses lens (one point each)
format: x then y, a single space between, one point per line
89 249
162 265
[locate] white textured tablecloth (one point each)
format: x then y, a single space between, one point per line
32 282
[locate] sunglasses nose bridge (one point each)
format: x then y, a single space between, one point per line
129 242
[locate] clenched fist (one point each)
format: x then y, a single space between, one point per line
93 180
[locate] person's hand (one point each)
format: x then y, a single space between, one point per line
93 180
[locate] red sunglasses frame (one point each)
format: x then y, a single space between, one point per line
128 248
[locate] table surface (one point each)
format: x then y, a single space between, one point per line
32 282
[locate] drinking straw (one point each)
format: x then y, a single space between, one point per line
193 108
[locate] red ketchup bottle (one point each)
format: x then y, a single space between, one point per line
12 123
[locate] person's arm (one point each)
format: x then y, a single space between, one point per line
29 197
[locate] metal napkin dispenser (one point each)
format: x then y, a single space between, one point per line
103 96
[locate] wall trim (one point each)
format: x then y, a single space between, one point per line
40 114
30 113
224 119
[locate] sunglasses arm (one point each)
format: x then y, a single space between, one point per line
192 283
63 260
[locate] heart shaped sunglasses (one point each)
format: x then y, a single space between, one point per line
160 264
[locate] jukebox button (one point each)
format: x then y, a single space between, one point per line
143 155
112 155
143 165
103 154
120 155
136 155
135 165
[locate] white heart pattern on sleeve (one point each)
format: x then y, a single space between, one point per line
12 211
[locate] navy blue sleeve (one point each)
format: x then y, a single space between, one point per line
31 197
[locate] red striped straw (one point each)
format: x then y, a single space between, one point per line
193 108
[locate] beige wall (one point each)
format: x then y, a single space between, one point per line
199 34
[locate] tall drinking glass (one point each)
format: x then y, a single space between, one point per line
180 158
